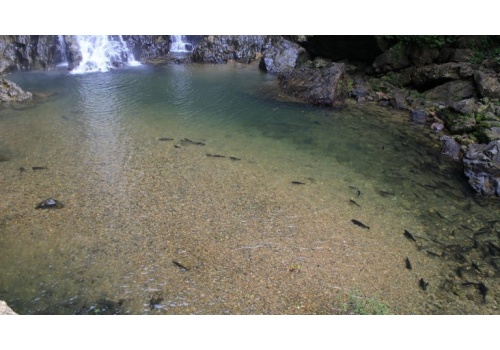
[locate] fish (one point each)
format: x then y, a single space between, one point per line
298 183
39 168
234 158
386 193
483 290
474 265
423 284
409 236
481 286
408 265
459 272
179 265
215 155
354 202
177 146
193 142
360 224
317 123
165 139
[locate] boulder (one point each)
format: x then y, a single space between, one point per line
432 75
326 86
487 84
482 167
398 100
450 147
451 92
282 56
420 56
467 106
10 91
457 123
455 55
393 59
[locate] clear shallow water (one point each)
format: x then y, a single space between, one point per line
134 204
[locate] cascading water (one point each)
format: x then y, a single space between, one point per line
180 44
64 57
101 53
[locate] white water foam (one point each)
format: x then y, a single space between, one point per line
64 56
180 44
100 53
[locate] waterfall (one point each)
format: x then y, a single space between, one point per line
101 53
180 44
64 57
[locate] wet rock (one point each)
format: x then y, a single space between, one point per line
451 147
148 47
10 91
282 56
320 86
437 127
222 48
487 84
482 167
398 100
26 52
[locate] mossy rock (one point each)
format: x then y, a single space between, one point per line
458 123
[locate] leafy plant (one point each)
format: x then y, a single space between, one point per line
433 41
359 305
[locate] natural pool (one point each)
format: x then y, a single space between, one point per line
170 226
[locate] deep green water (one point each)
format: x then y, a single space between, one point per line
95 132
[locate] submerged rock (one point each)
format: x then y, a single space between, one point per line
482 167
50 203
10 91
5 309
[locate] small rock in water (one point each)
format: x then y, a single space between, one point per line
155 301
437 127
50 203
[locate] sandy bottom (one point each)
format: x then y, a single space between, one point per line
160 229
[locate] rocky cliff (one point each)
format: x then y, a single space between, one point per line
44 52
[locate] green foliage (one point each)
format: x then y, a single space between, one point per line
433 41
359 305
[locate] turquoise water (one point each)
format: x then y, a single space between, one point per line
134 204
